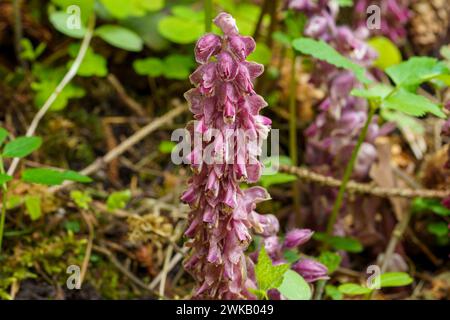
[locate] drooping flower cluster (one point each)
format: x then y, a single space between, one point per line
393 17
333 134
226 112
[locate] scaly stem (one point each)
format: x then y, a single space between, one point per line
293 136
208 15
348 171
3 212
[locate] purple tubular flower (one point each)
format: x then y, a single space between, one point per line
311 270
297 237
223 215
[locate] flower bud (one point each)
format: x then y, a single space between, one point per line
206 47
311 270
297 237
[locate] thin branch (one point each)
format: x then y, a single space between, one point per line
129 102
363 188
67 78
128 143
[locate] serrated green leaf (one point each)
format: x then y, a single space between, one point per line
21 147
4 178
439 229
152 67
353 289
331 260
118 200
388 53
416 70
377 92
51 177
268 276
412 104
3 135
120 37
340 243
323 51
294 287
395 279
333 292
33 206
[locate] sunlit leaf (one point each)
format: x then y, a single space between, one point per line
120 37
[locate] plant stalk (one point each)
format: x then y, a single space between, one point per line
208 15
3 211
293 136
348 172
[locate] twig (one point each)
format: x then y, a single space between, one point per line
129 102
123 269
363 188
128 143
67 78
172 264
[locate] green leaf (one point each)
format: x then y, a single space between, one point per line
4 178
59 20
353 289
323 51
81 199
291 256
152 67
339 243
3 135
439 229
333 292
416 70
377 92
271 176
33 206
118 200
72 226
331 260
268 276
92 65
412 104
21 147
166 146
48 80
262 54
131 8
180 30
403 121
294 287
120 37
433 205
388 53
395 279
86 7
177 66
51 177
